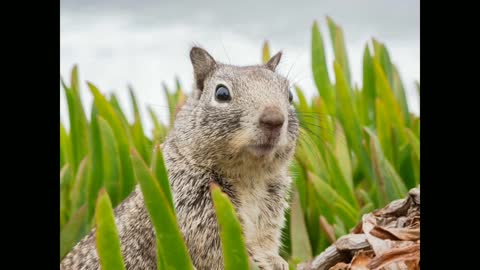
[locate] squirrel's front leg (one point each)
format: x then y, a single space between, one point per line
265 255
263 242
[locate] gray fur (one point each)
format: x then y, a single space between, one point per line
216 142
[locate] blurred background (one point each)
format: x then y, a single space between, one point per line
146 42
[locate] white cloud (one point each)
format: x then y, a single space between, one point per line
111 53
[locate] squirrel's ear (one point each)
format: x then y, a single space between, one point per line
273 62
203 63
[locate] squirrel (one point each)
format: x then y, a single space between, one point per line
238 129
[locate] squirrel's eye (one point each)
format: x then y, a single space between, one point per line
222 94
290 96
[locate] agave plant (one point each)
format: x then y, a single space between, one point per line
359 149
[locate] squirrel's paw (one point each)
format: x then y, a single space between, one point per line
274 263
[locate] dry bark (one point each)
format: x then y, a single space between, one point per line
385 239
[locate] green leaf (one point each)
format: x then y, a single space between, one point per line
339 48
78 127
343 186
116 106
233 246
320 71
65 147
159 130
171 100
349 119
74 82
414 142
311 213
368 89
390 185
265 52
342 154
95 178
160 172
107 239
122 136
384 129
400 94
171 249
327 131
66 181
385 93
302 105
382 54
80 186
137 129
73 231
333 200
112 178
301 249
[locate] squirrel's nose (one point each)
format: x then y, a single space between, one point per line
271 119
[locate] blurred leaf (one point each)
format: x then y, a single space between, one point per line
160 172
80 185
171 100
368 89
122 136
342 153
74 82
73 231
327 131
339 48
66 181
95 178
301 248
78 127
171 249
381 53
137 129
386 95
400 94
233 245
302 105
389 183
330 197
384 129
159 130
311 213
265 52
112 178
107 239
343 185
320 71
65 147
116 106
414 142
349 119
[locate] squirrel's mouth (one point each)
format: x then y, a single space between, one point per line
262 149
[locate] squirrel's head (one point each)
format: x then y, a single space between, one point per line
238 116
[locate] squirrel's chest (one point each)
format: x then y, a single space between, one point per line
256 208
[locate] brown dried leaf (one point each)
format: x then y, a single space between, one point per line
406 234
357 229
352 242
340 266
408 253
361 260
414 193
413 264
328 229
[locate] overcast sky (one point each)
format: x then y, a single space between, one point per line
146 42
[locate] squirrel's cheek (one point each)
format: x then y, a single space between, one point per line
240 139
